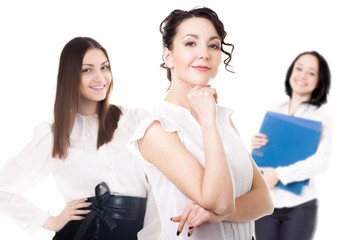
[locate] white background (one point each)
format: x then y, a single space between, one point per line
267 36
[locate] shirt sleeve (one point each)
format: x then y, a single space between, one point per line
141 114
31 165
317 163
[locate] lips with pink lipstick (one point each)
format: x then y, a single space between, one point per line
201 68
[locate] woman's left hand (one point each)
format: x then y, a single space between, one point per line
195 215
270 176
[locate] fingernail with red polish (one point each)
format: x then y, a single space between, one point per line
178 233
189 234
191 227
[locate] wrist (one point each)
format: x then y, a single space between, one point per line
50 224
281 175
221 217
208 125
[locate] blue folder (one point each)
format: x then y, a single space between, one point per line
291 139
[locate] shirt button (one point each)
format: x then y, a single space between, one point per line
108 169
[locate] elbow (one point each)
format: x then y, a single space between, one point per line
320 166
269 208
266 202
222 203
218 206
224 207
268 205
272 210
324 166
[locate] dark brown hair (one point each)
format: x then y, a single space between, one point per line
319 95
169 25
68 93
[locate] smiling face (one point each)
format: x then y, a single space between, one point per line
196 54
95 77
305 76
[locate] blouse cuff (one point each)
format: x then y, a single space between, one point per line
281 172
38 222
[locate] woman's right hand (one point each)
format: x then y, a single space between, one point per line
70 212
195 215
202 100
259 140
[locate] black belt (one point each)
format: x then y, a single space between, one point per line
108 208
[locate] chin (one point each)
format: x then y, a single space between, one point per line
99 99
201 82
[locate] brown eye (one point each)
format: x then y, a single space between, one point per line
214 46
190 44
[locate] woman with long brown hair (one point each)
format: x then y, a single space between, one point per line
85 150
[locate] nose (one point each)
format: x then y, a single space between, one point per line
204 53
303 75
99 77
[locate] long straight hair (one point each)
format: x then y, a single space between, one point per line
68 94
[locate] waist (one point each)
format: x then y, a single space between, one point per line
118 206
283 198
109 209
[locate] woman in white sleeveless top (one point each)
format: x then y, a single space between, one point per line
199 169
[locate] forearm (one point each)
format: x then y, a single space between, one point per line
251 206
217 188
313 166
23 212
255 203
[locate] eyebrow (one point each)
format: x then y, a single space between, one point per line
197 37
88 64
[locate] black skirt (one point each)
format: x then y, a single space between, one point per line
111 217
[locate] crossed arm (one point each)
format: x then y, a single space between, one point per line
210 186
249 207
204 185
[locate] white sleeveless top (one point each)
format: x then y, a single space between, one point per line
170 201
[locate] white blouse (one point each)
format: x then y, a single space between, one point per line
170 200
80 172
310 167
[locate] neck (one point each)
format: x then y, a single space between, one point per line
87 107
296 101
178 95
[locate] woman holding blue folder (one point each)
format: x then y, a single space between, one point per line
307 84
